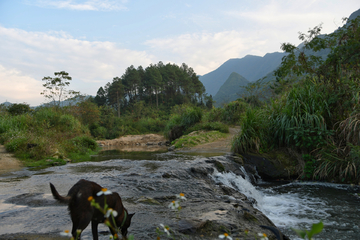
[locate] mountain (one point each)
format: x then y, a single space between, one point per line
6 104
231 89
250 67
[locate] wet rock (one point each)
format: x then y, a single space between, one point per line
201 171
268 170
147 200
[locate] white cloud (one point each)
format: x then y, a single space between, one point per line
19 88
206 51
91 64
89 5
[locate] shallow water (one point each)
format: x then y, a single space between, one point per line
300 204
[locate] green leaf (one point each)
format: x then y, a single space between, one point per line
299 232
316 228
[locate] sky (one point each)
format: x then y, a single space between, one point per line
96 40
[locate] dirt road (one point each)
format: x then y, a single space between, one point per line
8 162
221 145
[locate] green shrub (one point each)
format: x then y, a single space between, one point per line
84 141
299 117
233 112
183 118
98 131
310 166
19 108
254 134
209 126
214 115
16 143
148 125
68 122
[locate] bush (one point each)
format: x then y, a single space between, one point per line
209 126
233 112
19 108
84 142
16 143
184 118
68 123
254 134
147 125
298 119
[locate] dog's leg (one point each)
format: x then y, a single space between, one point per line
80 225
94 229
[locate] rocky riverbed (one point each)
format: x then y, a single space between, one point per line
28 211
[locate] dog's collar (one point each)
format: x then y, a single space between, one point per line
124 219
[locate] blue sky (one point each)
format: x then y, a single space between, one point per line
96 40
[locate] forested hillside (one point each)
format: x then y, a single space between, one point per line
250 67
230 90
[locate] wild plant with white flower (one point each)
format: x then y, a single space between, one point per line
263 236
225 236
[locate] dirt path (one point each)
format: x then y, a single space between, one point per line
8 162
222 145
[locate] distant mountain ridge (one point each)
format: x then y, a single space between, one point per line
230 90
250 67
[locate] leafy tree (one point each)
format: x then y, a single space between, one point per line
307 59
89 112
100 98
55 88
209 101
18 108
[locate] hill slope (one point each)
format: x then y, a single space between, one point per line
250 67
231 89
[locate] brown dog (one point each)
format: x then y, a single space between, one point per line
82 212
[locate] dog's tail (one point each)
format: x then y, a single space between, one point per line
57 196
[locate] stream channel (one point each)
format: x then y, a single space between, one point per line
147 182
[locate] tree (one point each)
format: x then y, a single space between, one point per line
209 101
100 98
18 108
343 46
55 88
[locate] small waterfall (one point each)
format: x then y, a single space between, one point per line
288 209
240 184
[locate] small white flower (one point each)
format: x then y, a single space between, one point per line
66 233
263 236
174 205
181 196
166 229
111 212
104 191
225 235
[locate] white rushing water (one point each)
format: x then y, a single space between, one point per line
299 205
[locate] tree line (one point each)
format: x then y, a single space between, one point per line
156 85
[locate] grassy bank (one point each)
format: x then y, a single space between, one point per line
45 137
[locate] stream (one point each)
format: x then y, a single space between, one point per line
147 182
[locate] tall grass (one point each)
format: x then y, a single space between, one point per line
299 117
254 134
38 135
231 113
339 163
